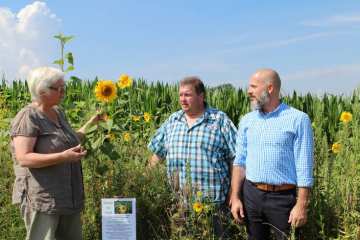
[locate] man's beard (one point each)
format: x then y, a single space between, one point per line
261 101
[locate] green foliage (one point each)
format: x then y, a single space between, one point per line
117 167
68 56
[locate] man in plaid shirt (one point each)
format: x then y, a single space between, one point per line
275 148
201 136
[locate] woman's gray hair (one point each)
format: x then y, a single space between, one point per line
40 79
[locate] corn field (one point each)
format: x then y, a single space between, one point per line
115 164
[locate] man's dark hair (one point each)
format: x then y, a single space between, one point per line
194 81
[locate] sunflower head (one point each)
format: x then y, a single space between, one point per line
106 117
124 81
123 208
147 117
127 137
106 91
198 206
346 117
136 118
336 147
112 136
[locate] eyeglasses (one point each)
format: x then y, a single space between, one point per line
59 89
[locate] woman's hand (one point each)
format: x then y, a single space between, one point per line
73 154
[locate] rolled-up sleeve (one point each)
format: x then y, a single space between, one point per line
304 152
158 142
241 144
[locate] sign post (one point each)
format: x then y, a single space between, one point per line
119 219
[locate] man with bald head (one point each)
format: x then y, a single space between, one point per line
274 155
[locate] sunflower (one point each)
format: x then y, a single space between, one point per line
127 137
124 81
2 120
112 136
123 208
136 118
346 117
198 206
106 91
336 147
199 194
1 101
147 117
106 117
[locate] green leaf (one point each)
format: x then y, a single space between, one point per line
95 144
114 155
110 123
59 37
102 169
61 61
70 68
70 58
90 128
67 38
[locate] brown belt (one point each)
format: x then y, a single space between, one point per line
273 188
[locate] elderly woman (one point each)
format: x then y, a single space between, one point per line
46 153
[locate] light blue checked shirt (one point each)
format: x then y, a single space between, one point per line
209 145
276 148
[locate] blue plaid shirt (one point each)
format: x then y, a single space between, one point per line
276 148
209 144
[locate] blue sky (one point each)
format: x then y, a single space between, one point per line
313 45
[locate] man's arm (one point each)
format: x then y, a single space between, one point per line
237 180
228 196
299 212
155 160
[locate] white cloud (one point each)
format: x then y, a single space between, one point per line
27 40
337 20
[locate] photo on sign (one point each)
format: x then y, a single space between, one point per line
123 207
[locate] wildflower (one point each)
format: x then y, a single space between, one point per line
198 206
346 117
106 91
136 118
147 117
336 147
106 117
127 137
112 136
124 81
123 208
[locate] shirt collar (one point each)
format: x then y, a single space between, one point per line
209 113
276 111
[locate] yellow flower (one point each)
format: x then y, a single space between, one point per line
124 81
2 120
123 208
136 118
147 117
336 147
106 117
106 91
127 137
198 206
346 117
1 101
199 194
112 136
